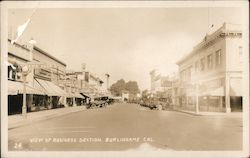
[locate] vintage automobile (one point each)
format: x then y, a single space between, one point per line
101 102
156 103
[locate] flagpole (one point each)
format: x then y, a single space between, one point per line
23 27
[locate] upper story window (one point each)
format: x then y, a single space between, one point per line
202 64
218 58
210 62
188 73
182 75
196 66
240 54
11 73
14 72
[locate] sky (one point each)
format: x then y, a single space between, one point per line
124 42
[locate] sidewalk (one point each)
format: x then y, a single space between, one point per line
15 121
232 114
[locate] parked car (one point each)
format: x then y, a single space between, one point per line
101 102
156 103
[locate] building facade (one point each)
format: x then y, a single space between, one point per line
18 56
213 72
161 86
49 74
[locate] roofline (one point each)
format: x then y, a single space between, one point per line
208 38
47 54
19 45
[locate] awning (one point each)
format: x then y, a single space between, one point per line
85 95
15 87
74 95
215 92
50 88
70 95
78 95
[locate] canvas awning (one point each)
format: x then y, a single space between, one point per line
74 95
15 87
78 95
50 88
85 95
215 92
70 95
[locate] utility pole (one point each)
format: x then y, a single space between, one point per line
107 75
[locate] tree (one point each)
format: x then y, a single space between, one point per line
132 87
117 88
145 93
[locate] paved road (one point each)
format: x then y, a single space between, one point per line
129 127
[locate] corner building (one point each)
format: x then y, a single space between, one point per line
213 72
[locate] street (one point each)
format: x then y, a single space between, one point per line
123 126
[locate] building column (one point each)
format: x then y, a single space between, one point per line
227 93
74 101
29 101
50 103
65 101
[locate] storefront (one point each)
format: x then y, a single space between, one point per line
15 96
55 94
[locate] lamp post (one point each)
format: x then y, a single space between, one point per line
25 72
107 75
197 98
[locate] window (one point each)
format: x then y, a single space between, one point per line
218 58
188 73
209 62
240 54
196 65
183 75
12 73
202 66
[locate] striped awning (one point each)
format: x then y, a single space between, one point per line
50 88
15 87
74 95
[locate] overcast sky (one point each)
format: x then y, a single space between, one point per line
124 42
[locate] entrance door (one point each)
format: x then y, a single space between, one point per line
236 103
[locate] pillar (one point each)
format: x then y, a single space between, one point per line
74 101
30 101
227 93
50 103
65 101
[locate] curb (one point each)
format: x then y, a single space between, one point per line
186 112
28 122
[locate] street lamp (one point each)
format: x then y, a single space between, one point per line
25 72
196 84
197 98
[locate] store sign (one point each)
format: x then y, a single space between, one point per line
42 73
